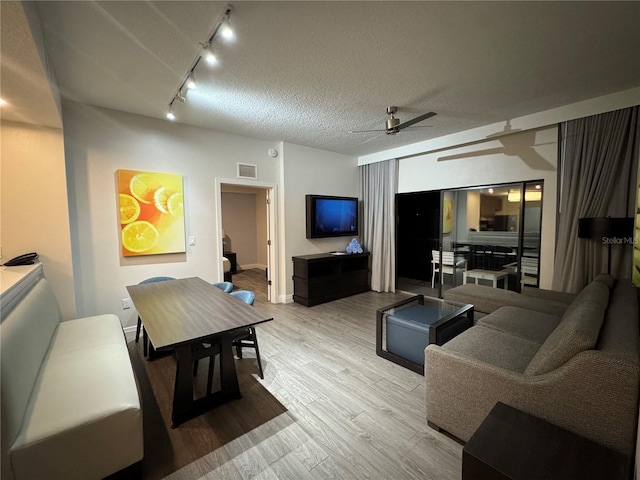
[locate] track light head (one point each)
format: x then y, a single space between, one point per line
191 81
226 31
171 114
209 54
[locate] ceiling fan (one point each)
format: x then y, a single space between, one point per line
393 124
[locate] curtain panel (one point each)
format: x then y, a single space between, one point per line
598 160
378 185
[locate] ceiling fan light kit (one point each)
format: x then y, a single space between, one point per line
393 125
222 27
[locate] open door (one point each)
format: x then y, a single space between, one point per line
261 214
269 253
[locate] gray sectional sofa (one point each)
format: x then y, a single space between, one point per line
573 360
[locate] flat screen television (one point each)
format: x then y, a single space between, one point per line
329 216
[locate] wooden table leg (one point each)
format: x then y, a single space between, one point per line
228 375
183 386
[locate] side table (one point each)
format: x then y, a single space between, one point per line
513 445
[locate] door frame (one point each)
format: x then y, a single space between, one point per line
272 229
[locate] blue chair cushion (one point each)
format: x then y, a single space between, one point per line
246 296
226 287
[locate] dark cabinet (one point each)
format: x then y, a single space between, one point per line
326 277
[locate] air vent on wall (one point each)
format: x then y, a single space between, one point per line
246 170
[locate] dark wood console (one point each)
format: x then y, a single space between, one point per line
326 277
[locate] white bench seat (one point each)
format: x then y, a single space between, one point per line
75 394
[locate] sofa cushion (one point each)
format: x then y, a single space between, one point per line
487 300
493 347
619 336
606 279
596 292
31 323
523 323
578 331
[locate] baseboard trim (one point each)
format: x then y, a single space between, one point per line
250 266
130 332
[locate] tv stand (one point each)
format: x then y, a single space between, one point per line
325 277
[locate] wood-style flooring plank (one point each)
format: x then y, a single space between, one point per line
328 407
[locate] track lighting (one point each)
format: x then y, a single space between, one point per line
222 28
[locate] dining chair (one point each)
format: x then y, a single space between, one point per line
140 326
206 350
248 337
450 265
226 287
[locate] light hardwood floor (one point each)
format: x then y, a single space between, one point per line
346 413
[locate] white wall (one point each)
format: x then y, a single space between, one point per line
528 155
311 171
34 214
98 142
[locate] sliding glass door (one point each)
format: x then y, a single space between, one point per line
492 235
488 235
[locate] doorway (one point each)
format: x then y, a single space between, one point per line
417 230
246 225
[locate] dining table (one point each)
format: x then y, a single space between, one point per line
194 319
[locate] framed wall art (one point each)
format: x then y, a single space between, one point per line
151 208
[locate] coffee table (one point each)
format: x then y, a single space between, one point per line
404 329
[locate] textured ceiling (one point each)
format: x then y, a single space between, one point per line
24 80
309 72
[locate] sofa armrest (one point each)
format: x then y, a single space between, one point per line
592 395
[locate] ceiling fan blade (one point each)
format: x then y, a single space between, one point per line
408 123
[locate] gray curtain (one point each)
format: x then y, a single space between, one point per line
378 185
598 161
